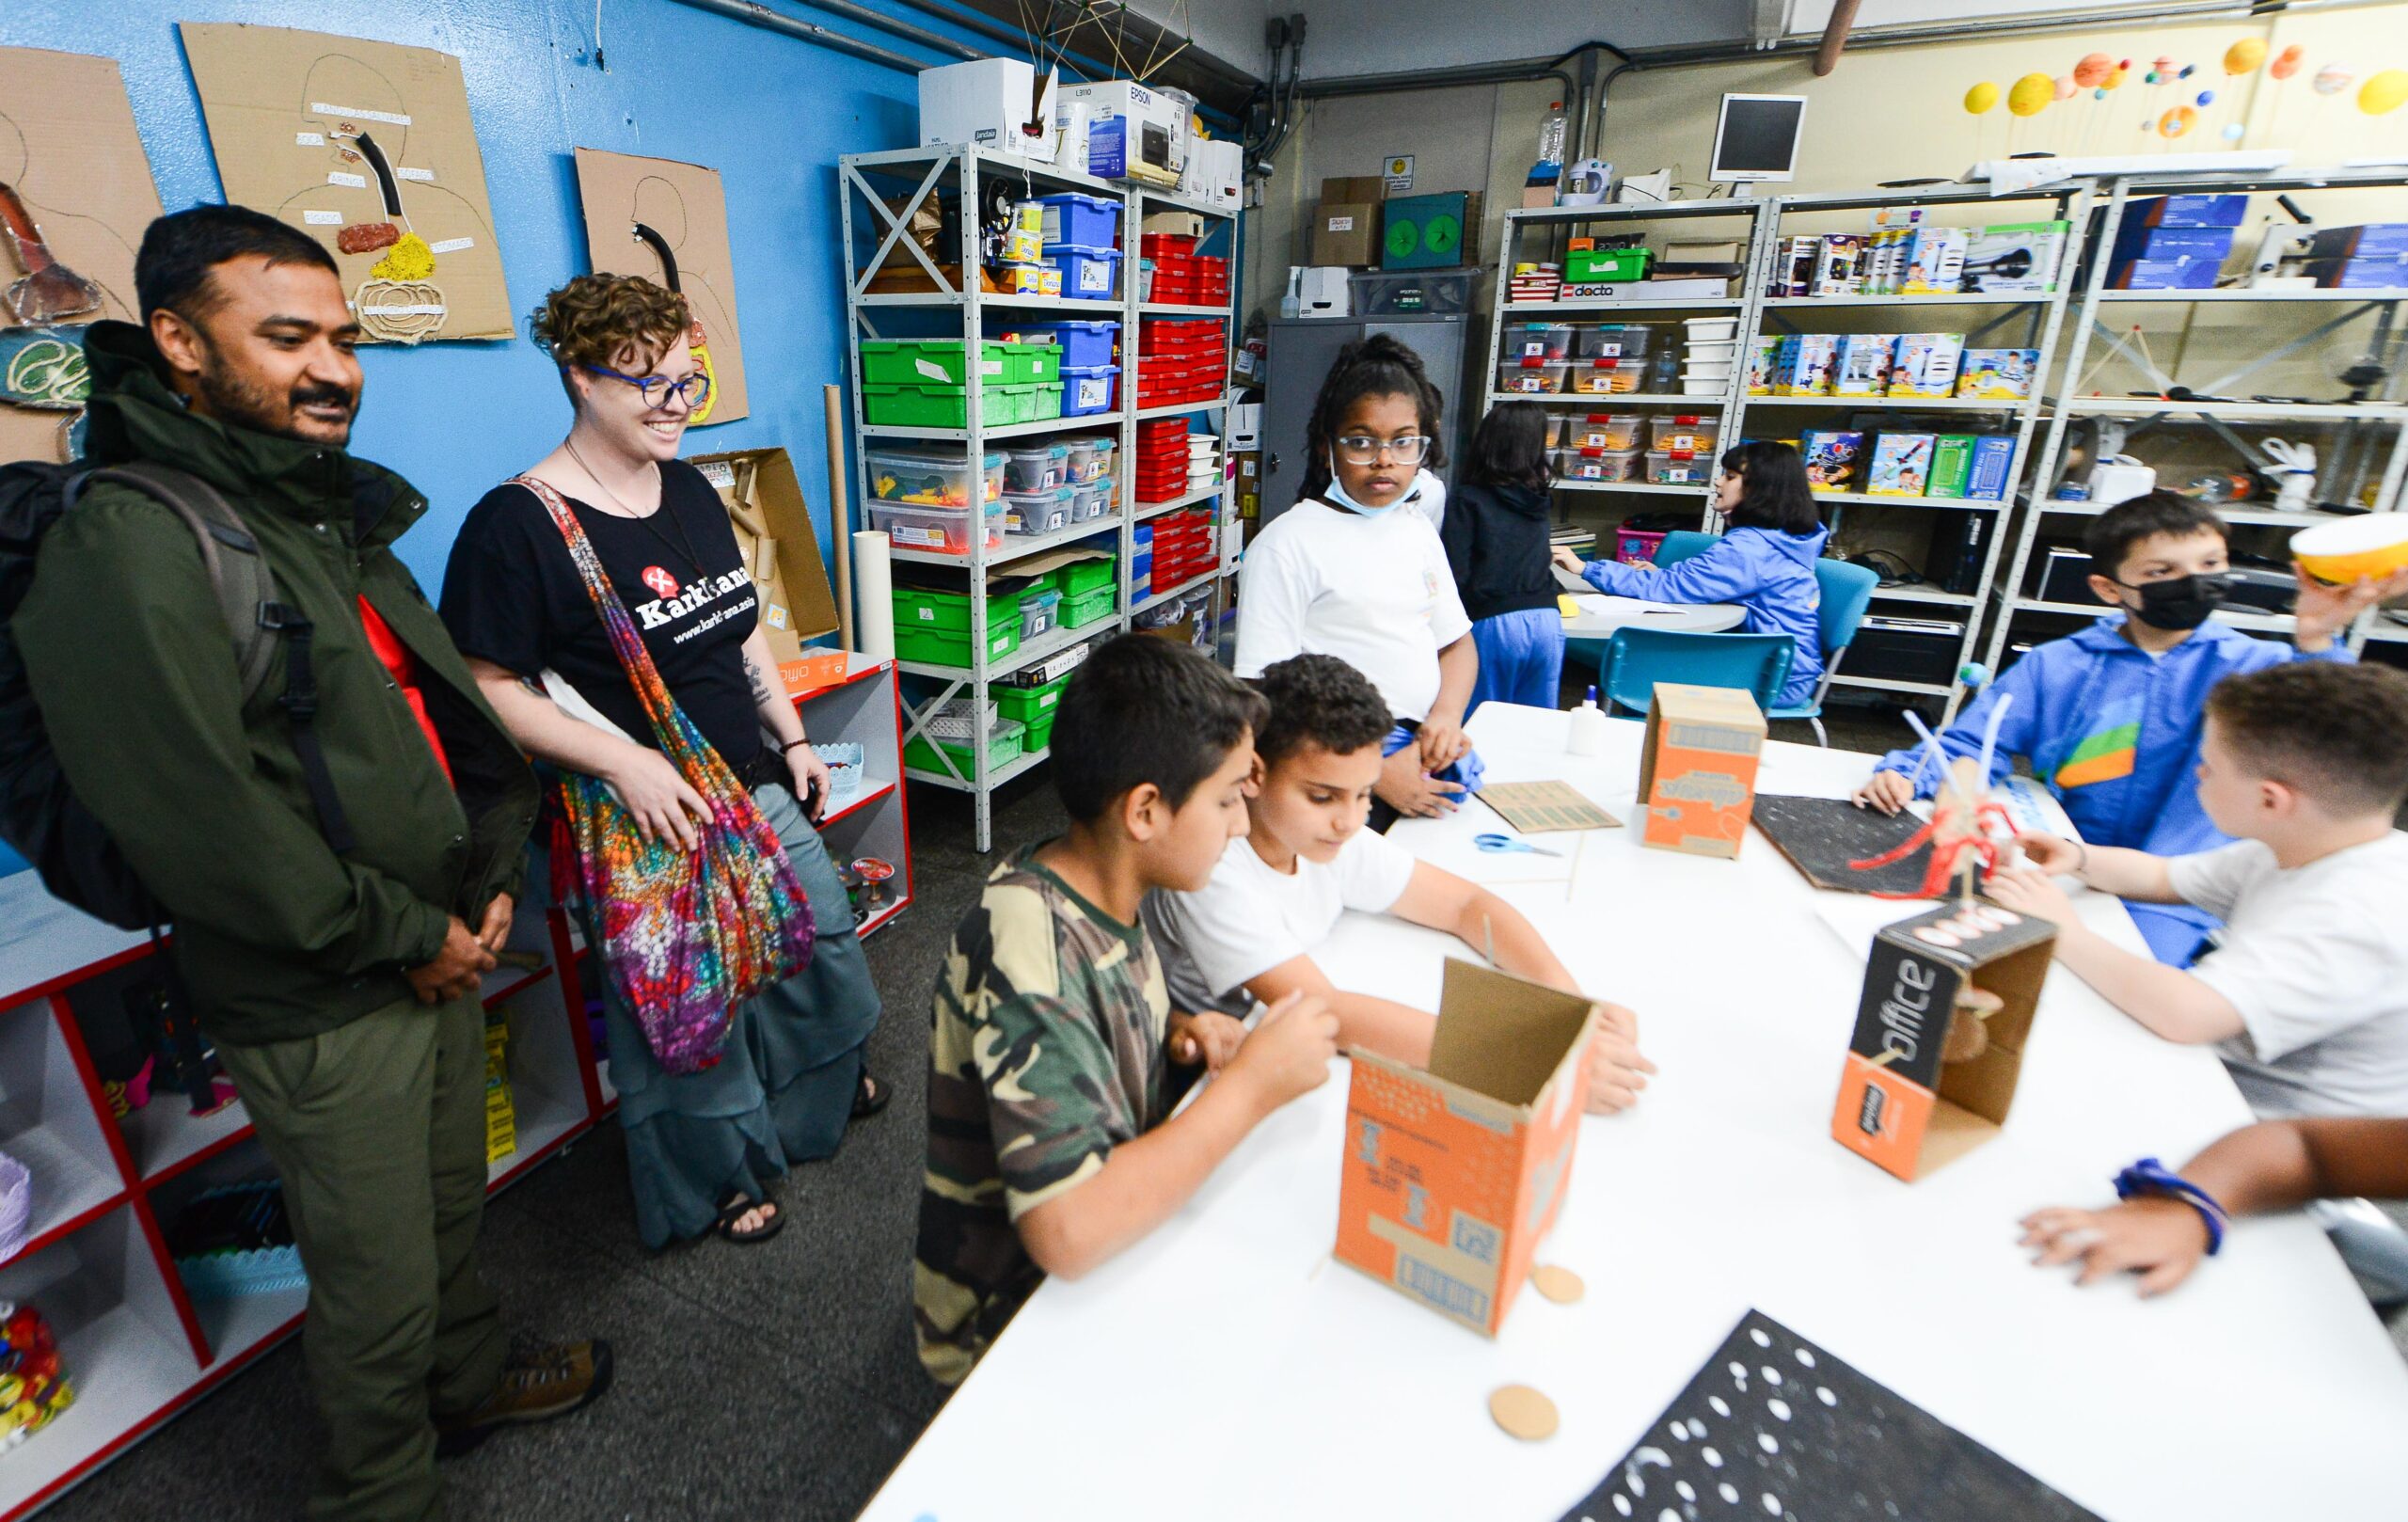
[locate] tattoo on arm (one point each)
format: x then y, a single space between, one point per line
762 695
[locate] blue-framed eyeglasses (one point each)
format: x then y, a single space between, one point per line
657 390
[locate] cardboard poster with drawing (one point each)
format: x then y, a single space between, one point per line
1453 1175
666 222
367 148
1940 1033
772 522
76 194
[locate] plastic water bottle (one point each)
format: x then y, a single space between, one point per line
1588 736
1551 132
1292 304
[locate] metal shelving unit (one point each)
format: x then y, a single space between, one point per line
2355 433
2029 320
1532 234
880 194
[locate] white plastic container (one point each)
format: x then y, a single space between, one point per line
1725 352
1669 468
1712 330
1694 432
1586 734
1691 386
1717 371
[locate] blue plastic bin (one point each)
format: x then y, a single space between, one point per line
1089 272
1088 221
1084 344
1087 391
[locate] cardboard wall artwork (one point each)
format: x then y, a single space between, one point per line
73 165
1697 768
683 207
1453 1175
367 148
1922 1087
772 523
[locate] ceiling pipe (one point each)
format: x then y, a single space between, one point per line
1016 41
1827 57
1911 34
753 14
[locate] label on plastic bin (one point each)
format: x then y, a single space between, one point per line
922 538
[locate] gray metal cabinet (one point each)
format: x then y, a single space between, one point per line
1300 353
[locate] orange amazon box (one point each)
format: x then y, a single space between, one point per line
1454 1174
1697 768
1903 1103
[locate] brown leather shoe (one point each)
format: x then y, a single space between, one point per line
538 1385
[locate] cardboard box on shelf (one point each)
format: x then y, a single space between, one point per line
819 666
772 522
1901 1105
1453 1174
1346 233
1134 133
1697 768
1176 224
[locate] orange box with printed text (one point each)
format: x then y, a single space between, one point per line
1453 1174
1697 768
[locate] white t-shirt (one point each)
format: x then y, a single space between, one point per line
1373 589
1428 495
1251 917
2316 959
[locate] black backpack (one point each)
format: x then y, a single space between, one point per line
40 815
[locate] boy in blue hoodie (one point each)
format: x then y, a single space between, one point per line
1765 563
2110 717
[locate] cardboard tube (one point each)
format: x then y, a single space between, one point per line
840 521
877 626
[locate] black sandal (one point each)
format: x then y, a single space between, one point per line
735 1207
870 1098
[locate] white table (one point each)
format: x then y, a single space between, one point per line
1600 614
1229 1367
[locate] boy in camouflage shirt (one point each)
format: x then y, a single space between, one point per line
1048 1147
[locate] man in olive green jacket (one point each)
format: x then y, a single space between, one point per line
341 990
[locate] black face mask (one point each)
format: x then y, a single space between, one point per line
2179 602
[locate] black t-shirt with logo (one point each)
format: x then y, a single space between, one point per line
512 596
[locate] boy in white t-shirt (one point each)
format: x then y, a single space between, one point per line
1249 933
2308 993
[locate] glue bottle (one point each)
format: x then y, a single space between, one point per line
1588 736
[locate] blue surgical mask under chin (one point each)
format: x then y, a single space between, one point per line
1338 495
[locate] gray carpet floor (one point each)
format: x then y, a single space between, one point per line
775 1380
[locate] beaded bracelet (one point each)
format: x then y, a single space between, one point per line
2150 1177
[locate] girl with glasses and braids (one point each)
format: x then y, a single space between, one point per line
703 1146
1353 571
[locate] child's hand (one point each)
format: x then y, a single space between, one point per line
2161 1239
1288 1051
1405 788
1211 1038
1888 791
1567 561
2053 854
2324 610
1616 1070
2029 891
1442 743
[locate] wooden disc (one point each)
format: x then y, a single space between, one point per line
1523 1412
1557 1283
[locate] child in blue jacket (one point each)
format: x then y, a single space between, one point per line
1765 563
2110 716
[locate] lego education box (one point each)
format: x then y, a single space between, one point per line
1697 768
1454 1174
1902 1106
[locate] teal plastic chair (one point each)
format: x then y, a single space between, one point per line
1682 544
1845 591
1635 659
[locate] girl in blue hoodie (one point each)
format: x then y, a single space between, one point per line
1764 562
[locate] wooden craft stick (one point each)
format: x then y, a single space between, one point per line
1889 1055
839 518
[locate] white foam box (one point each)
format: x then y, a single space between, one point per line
986 103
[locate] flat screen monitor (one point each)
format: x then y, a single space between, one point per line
1756 138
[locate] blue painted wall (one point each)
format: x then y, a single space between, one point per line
770 113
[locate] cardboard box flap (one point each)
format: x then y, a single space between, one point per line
1720 706
772 523
1502 1036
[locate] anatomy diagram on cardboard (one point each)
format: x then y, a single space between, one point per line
666 222
76 194
367 148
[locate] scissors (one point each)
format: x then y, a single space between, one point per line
1507 844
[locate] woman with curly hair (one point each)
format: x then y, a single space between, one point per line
703 1146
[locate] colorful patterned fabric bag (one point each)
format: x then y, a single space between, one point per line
687 936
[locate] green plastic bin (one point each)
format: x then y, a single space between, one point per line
1080 578
1002 748
1582 266
939 362
951 647
919 609
1037 736
1031 706
1088 608
912 405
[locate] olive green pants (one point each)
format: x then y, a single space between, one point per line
379 1130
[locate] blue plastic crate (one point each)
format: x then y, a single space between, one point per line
1089 391
1084 344
1090 221
1089 272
